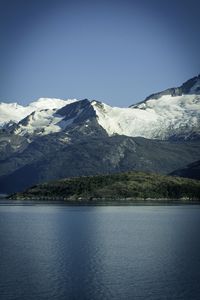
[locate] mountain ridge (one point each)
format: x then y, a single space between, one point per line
82 137
185 88
163 115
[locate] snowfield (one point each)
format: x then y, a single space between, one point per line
155 118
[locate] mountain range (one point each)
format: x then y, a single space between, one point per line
54 138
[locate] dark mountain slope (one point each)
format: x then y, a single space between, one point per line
46 159
190 171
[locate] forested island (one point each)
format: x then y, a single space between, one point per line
121 188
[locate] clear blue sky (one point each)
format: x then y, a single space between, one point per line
118 52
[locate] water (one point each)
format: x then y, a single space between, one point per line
59 252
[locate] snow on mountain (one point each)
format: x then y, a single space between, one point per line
163 115
41 122
46 121
172 113
125 121
156 118
50 103
14 112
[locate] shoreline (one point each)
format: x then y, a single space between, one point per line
104 202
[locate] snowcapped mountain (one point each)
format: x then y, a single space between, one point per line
13 112
173 113
162 118
53 138
47 121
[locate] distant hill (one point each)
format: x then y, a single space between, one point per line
190 171
129 186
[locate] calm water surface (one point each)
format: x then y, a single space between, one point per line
59 252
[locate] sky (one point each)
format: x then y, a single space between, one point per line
118 52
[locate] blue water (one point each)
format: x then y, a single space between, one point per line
59 252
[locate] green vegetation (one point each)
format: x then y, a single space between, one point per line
129 186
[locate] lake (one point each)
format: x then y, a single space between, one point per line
61 252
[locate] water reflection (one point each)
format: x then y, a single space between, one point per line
52 252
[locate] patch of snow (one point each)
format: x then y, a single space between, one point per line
40 123
65 140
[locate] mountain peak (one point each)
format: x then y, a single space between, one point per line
14 112
77 110
191 86
47 121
